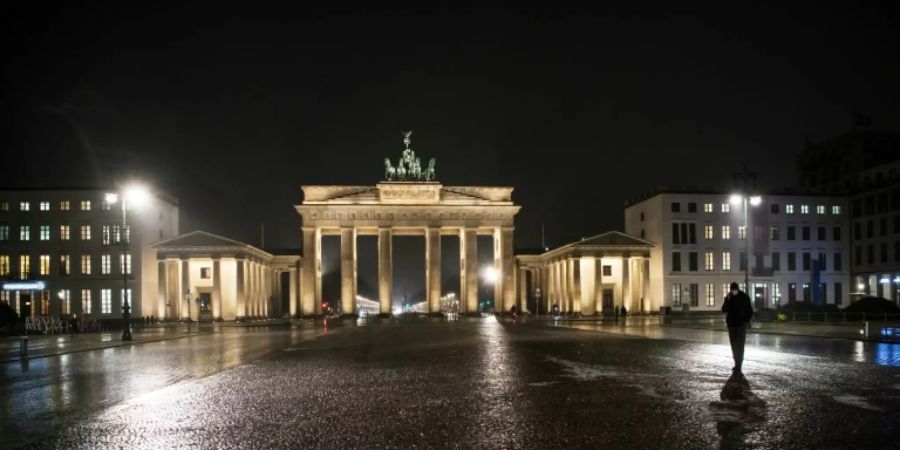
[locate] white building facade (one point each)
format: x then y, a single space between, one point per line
798 248
61 251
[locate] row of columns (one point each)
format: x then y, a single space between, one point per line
581 291
257 290
311 270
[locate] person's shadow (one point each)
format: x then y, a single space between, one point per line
738 412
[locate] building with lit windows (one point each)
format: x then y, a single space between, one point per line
61 249
876 232
798 247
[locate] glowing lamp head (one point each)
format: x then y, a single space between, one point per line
735 199
755 200
111 197
136 195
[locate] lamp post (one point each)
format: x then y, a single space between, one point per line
755 200
132 194
187 298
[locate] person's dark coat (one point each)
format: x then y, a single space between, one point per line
737 309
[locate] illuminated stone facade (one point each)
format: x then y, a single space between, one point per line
390 209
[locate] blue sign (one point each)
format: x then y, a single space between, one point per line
25 286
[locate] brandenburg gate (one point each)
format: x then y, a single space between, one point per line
408 203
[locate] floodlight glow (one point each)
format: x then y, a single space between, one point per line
735 199
137 195
490 274
755 200
111 198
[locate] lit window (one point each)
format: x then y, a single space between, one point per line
105 264
105 205
707 207
676 294
788 209
45 264
710 294
742 232
86 301
804 209
836 210
65 298
125 295
726 260
86 264
774 232
45 206
708 232
24 233
125 263
820 209
709 261
726 231
64 232
105 235
65 264
4 206
4 233
85 205
64 205
4 265
24 206
45 232
105 301
85 232
24 267
726 289
726 207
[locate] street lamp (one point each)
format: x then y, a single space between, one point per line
131 195
754 200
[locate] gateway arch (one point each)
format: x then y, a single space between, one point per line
408 203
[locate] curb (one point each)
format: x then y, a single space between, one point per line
120 344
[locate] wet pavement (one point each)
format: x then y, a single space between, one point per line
475 383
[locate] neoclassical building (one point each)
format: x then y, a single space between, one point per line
206 277
407 208
591 276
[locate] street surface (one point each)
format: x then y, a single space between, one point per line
474 383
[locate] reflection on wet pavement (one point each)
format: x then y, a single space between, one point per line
474 383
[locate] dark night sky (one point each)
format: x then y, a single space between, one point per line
231 110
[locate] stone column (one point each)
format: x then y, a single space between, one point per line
523 304
645 285
185 287
555 285
385 270
217 289
598 294
433 269
348 270
241 283
161 289
310 273
507 266
292 293
626 283
468 271
587 275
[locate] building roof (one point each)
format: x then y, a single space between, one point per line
202 242
613 238
609 243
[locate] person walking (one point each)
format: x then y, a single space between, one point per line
738 313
